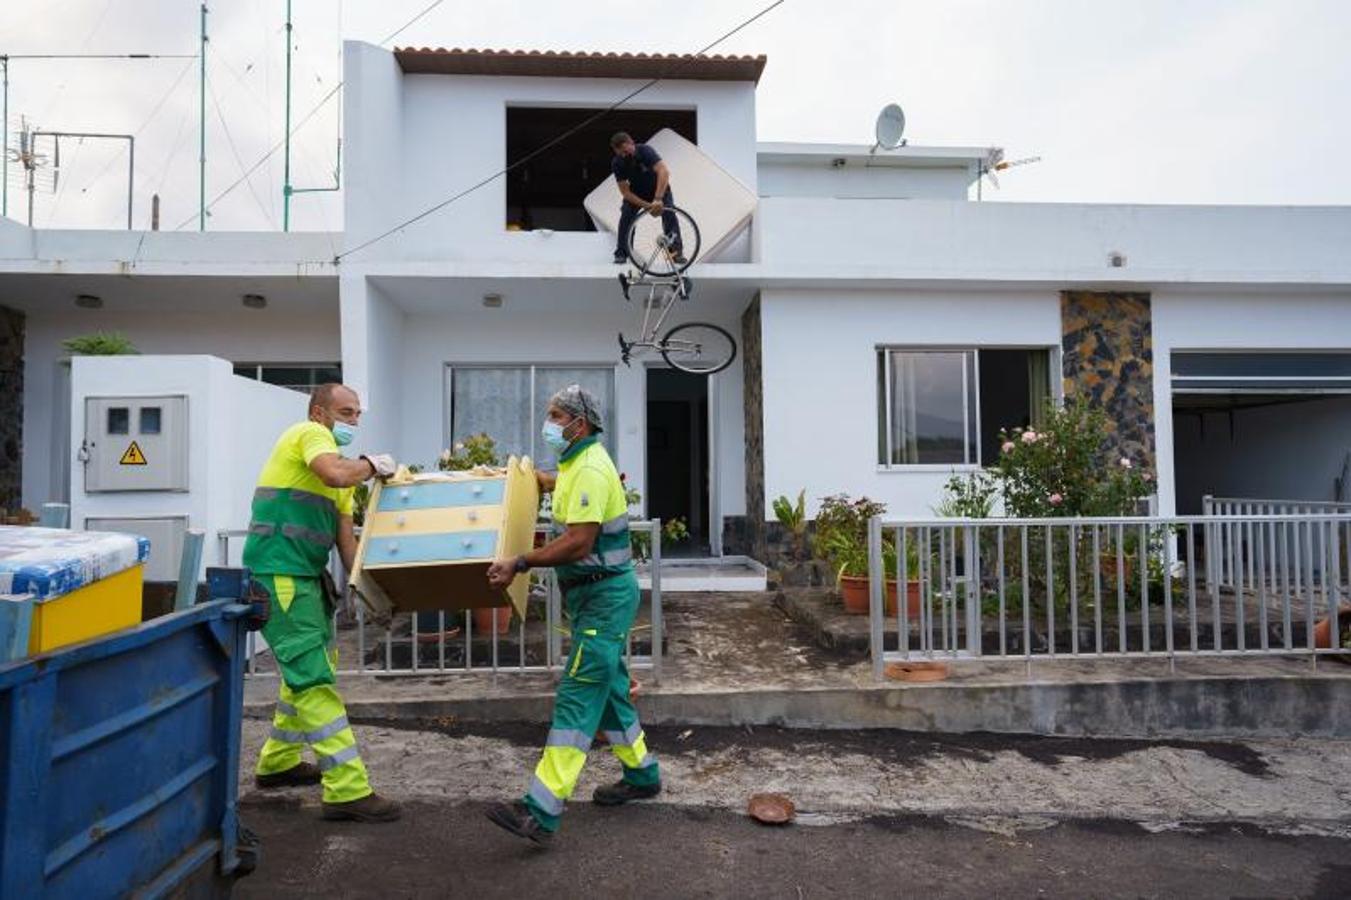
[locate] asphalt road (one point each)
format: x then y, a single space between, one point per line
450 849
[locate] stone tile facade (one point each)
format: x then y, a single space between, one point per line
1108 359
11 408
752 537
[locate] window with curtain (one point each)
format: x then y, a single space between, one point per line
947 406
509 403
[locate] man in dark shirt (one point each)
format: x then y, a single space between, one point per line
644 182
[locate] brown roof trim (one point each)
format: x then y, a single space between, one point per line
550 64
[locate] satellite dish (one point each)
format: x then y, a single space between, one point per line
890 127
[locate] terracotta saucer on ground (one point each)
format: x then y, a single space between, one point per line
771 809
916 671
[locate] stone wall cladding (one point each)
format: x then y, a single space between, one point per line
753 538
11 408
1108 360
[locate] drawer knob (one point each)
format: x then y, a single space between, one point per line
401 521
393 548
473 516
403 495
468 542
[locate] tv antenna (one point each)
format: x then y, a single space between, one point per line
890 128
995 162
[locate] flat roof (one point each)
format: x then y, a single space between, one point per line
901 157
564 64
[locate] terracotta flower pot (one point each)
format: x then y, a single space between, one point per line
483 619
854 591
1322 629
912 601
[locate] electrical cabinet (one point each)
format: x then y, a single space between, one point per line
135 444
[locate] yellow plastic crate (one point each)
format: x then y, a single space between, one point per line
109 604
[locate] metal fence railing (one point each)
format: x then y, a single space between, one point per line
448 642
1228 540
1030 589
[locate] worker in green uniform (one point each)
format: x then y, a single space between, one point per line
595 573
301 508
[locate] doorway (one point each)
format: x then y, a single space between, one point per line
677 457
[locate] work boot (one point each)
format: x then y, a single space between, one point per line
620 257
622 792
679 259
370 808
300 775
517 818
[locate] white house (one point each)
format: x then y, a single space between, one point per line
888 323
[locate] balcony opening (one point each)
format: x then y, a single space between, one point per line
548 191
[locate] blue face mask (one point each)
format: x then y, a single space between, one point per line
343 434
553 436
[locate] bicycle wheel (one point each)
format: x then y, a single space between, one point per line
654 242
698 348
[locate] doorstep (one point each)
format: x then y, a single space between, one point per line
725 573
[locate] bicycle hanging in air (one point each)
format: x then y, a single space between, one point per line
662 248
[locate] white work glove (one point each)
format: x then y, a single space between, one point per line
383 463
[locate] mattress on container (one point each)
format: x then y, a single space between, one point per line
52 562
720 205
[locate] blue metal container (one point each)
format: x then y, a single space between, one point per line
119 762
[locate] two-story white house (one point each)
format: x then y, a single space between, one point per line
888 323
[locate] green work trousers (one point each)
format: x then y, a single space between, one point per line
592 696
309 709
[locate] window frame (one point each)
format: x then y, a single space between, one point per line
257 372
448 401
970 374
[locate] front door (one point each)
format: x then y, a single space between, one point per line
677 457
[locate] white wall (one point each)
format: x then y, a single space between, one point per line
855 180
1245 319
1287 452
820 380
450 132
373 333
233 423
930 239
431 341
270 335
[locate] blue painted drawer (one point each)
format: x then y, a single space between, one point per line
431 548
440 494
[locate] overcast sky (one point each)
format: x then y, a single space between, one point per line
1126 101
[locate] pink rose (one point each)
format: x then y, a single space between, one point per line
1029 437
1147 476
1007 447
1125 463
1056 499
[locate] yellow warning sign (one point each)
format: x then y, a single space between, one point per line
133 456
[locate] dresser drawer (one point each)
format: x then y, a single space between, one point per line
430 548
440 494
434 521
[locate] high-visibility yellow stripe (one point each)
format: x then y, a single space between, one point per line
559 768
285 587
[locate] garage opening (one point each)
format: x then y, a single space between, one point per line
1272 426
548 191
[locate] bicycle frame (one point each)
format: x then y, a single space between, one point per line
655 311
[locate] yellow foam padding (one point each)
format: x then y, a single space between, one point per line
435 521
109 604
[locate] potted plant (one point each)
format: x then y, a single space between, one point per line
842 538
793 517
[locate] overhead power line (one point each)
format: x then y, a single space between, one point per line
556 140
301 123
